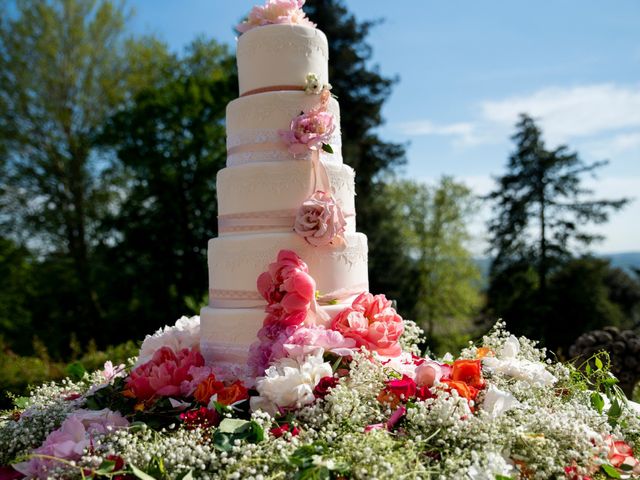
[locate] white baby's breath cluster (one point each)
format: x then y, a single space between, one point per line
411 337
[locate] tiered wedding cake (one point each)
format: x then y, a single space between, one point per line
285 188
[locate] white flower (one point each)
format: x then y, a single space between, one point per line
507 363
184 334
290 383
496 401
493 465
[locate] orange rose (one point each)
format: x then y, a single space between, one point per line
464 390
233 393
484 352
469 372
209 387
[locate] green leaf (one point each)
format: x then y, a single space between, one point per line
21 402
233 425
75 370
139 473
327 148
614 412
105 467
588 369
598 363
597 402
610 471
502 477
188 475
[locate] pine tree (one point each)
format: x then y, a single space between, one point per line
542 216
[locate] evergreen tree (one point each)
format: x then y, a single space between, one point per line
542 214
362 91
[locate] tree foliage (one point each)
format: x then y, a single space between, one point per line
433 220
542 214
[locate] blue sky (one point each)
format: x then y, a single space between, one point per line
467 68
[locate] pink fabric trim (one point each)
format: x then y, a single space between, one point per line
275 88
259 221
256 147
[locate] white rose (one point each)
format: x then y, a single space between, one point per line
496 401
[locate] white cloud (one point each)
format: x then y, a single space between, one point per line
564 113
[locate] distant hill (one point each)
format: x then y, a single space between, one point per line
624 260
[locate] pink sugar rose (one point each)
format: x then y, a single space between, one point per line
372 323
320 219
276 12
168 374
309 131
70 440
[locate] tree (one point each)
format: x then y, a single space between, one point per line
433 221
362 91
542 213
170 144
63 71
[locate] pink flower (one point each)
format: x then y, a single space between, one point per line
70 440
276 12
168 374
309 131
305 340
287 286
372 323
320 219
428 373
621 454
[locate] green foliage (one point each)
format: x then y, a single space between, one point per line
542 211
432 221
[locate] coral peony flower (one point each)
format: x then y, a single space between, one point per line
372 323
71 440
309 131
320 219
469 372
287 287
305 340
276 12
167 374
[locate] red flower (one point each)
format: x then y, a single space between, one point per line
324 386
397 391
469 372
279 431
200 418
464 390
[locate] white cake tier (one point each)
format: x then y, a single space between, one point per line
253 124
280 56
236 261
262 196
227 333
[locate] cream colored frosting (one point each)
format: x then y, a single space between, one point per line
236 261
257 119
276 55
269 187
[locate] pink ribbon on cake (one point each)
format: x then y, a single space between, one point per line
275 88
251 299
278 220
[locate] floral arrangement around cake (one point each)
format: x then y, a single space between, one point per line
350 399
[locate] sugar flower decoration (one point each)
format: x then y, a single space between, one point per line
287 12
320 220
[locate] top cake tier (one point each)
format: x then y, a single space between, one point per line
279 57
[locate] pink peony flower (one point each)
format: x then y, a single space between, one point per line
320 219
276 12
71 440
309 131
287 287
305 340
372 323
168 374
